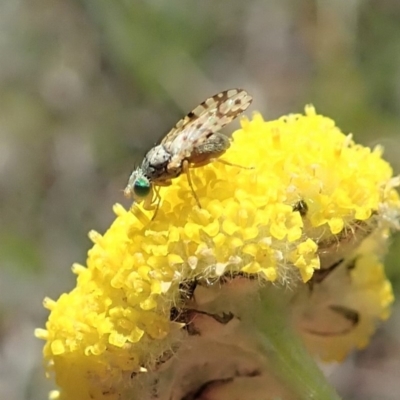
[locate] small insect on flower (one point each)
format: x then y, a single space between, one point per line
193 142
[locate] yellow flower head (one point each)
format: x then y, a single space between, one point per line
311 196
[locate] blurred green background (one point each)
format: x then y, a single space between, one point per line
87 86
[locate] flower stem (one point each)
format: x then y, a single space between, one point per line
286 351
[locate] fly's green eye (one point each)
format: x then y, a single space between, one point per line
141 187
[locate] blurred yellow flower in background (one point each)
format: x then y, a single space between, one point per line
313 216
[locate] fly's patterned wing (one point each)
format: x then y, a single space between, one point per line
206 119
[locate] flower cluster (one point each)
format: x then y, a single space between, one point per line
306 214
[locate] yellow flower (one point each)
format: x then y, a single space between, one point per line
311 190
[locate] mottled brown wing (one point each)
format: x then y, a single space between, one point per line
206 119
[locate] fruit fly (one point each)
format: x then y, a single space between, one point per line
193 142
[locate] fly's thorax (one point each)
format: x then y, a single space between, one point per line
139 185
155 162
174 167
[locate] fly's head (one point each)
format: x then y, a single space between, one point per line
139 186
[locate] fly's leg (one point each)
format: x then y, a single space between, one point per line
153 201
230 164
149 200
157 200
186 170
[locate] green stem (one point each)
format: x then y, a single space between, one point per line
286 351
